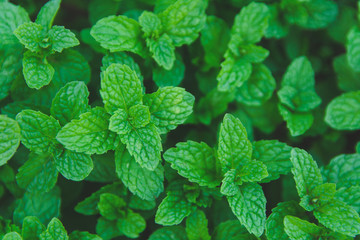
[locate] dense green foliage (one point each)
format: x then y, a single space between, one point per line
179 119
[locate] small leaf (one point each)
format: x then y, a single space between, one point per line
77 235
150 24
228 185
62 38
139 115
12 236
169 233
298 229
163 51
47 13
350 196
119 122
297 122
111 206
197 226
9 138
30 35
55 230
132 225
32 228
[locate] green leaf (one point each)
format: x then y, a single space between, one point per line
347 78
173 209
9 138
251 171
306 172
11 17
144 144
298 229
77 235
339 217
259 87
299 101
37 71
232 230
195 161
197 226
169 107
343 112
163 51
70 101
352 48
111 206
47 13
119 122
120 88
234 147
55 230
277 27
249 25
183 20
228 185
12 236
62 38
313 14
39 173
89 134
139 115
42 205
137 203
275 222
297 122
74 166
248 205
140 181
169 233
150 24
107 229
118 33
350 196
275 155
30 35
173 77
38 131
132 225
233 74
32 228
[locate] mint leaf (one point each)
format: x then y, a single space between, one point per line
89 134
132 225
197 226
163 51
118 33
139 116
173 77
228 185
183 20
259 87
119 122
70 102
137 203
343 111
275 222
144 144
120 88
30 35
12 236
140 181
11 16
306 172
233 73
74 166
169 233
277 27
37 71
297 228
47 13
249 25
196 162
352 48
248 205
234 146
150 24
9 138
62 38
297 122
39 173
339 217
111 206
55 230
77 235
169 107
107 229
38 131
173 209
347 78
275 155
350 196
32 228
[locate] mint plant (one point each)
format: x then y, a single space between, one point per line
179 120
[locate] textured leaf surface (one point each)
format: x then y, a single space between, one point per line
197 226
47 13
169 233
12 236
55 230
139 116
140 181
74 166
32 228
353 49
163 51
62 38
234 146
89 134
37 71
70 101
248 205
350 196
111 206
9 138
132 225
183 20
275 155
120 88
306 172
77 235
169 107
228 185
30 35
298 229
119 122
38 131
343 112
150 24
297 122
195 161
